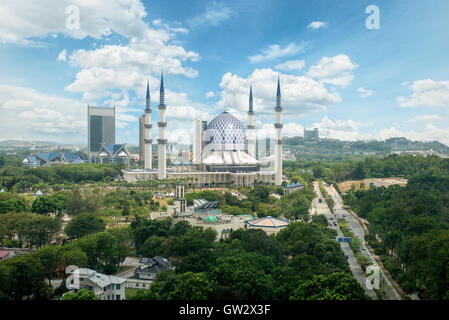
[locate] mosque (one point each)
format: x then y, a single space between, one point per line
222 153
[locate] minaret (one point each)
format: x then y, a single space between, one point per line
278 146
161 141
147 132
251 140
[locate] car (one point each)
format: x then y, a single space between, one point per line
344 216
331 218
363 248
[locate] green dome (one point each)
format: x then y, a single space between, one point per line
211 218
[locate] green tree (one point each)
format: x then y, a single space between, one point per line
81 294
83 224
336 286
191 286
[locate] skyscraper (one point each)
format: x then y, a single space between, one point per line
100 129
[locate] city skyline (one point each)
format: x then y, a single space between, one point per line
337 75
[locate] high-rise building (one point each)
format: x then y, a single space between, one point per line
311 134
197 140
100 129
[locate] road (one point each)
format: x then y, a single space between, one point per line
341 213
356 270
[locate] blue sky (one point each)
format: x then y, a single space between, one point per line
337 75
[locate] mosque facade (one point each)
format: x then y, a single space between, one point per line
223 153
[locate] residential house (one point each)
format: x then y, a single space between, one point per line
147 271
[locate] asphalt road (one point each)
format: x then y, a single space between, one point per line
356 270
359 232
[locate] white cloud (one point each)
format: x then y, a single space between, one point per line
430 133
62 56
294 65
333 70
300 94
349 130
427 93
214 15
31 115
340 129
209 94
317 25
21 20
425 118
364 93
275 51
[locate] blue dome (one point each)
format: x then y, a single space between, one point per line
225 132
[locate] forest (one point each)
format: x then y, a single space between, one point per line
409 226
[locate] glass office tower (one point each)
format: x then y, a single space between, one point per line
101 129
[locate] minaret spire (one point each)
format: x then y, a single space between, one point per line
162 141
162 91
148 96
250 98
251 127
278 128
147 151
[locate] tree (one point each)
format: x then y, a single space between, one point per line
152 247
81 294
84 224
320 219
79 202
336 286
191 286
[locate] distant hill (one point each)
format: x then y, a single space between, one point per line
327 147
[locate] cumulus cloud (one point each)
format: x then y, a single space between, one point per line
350 130
425 118
333 70
426 93
214 15
300 94
430 133
209 94
364 93
62 56
291 65
340 129
317 25
21 20
275 51
32 115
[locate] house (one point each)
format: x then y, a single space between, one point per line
6 254
291 187
147 271
104 286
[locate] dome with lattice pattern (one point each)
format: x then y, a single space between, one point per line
225 132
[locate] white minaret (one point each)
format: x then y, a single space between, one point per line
147 132
278 144
161 141
251 140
